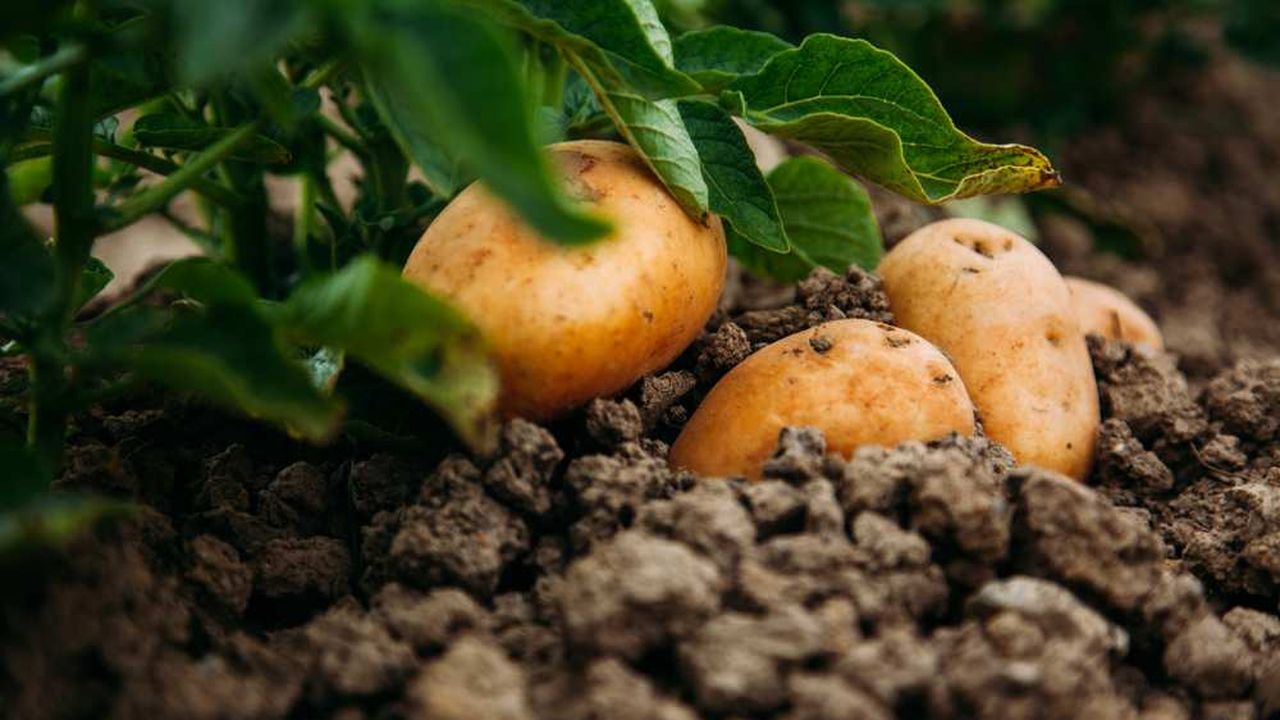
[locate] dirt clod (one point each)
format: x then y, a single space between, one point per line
473 681
635 593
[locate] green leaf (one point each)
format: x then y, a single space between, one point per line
409 337
123 77
718 55
656 130
828 218
96 277
220 343
737 190
204 280
172 131
444 80
232 356
286 104
874 117
216 39
622 41
417 137
28 179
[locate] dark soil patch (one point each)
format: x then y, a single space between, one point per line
575 576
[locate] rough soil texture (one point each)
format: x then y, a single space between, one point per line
575 576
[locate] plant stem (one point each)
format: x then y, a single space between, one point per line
219 194
553 87
47 414
302 221
74 215
344 138
322 75
43 69
156 196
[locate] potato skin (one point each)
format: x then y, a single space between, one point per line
860 382
1105 311
570 324
999 309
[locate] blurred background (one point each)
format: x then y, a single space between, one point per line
1162 115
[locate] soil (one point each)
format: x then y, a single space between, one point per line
575 576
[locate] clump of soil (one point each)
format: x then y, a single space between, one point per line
574 575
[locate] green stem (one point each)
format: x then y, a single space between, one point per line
322 75
156 196
47 421
557 72
344 138
158 165
45 68
302 221
74 215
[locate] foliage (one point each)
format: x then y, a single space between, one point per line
1053 65
222 96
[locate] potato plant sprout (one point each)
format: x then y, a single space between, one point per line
550 276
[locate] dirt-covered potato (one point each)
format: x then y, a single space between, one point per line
860 382
1002 313
1103 310
571 324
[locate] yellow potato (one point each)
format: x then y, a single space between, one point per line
570 324
1002 313
859 382
1103 310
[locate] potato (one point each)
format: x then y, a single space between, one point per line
859 382
1002 313
1103 310
567 324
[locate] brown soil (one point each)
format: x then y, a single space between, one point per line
575 576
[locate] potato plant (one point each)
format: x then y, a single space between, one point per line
112 110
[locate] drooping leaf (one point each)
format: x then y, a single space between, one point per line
220 344
446 85
737 190
172 131
409 337
618 39
716 56
656 130
622 51
417 137
876 118
828 218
